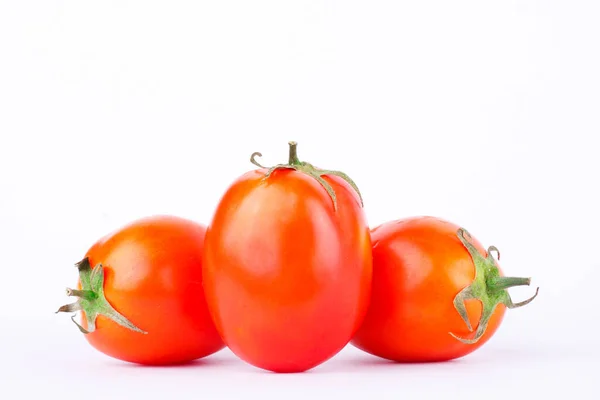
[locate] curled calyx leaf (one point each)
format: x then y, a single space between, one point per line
91 299
310 170
488 287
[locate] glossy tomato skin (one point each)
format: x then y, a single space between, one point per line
153 276
419 265
287 279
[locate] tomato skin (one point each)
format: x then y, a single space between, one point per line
287 279
419 265
153 276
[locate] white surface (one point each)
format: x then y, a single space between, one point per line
57 362
484 113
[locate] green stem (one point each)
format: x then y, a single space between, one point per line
84 294
293 158
91 299
310 170
488 287
502 282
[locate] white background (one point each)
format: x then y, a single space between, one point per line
483 113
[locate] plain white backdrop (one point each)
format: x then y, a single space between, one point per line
483 113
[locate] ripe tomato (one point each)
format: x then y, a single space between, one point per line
140 293
287 267
427 277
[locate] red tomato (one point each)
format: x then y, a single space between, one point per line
140 293
287 267
432 282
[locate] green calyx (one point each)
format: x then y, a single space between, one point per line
488 287
91 299
310 170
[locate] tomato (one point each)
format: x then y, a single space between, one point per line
141 296
432 283
287 265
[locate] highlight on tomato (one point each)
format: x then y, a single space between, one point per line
287 264
140 293
437 293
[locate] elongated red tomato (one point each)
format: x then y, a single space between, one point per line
437 293
140 293
287 267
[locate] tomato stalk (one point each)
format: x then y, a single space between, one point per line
488 287
293 158
502 282
84 294
91 299
310 170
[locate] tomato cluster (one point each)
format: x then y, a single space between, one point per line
287 273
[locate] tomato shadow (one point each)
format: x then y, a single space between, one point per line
362 364
386 363
207 362
356 364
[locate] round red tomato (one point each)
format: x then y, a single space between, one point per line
287 267
141 296
437 293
